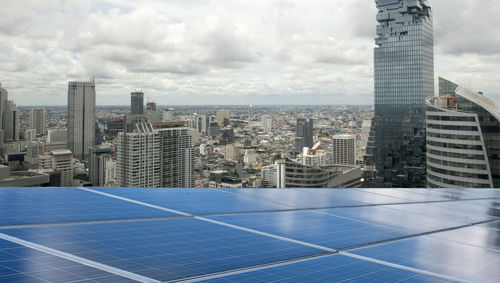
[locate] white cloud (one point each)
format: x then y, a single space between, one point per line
226 51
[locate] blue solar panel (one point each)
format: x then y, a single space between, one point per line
21 206
477 236
440 256
313 227
360 196
409 222
197 201
164 249
23 264
410 195
300 199
335 268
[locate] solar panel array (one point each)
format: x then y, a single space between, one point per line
249 235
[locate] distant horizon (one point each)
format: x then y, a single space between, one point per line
207 105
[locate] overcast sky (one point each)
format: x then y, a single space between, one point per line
226 51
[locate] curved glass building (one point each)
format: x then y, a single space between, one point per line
463 139
404 77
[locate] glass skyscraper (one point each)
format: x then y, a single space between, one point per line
404 77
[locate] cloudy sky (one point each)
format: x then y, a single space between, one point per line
226 51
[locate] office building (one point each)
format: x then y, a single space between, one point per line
305 128
250 113
344 149
98 158
62 161
58 135
81 118
463 139
214 129
39 120
139 158
404 77
11 121
223 117
137 103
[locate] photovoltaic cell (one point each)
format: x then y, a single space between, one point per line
335 268
440 256
23 264
165 249
360 196
21 206
408 195
477 236
313 227
196 201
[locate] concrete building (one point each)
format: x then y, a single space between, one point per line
110 176
139 158
344 150
81 118
12 179
223 117
214 129
62 160
404 77
250 157
168 115
98 159
267 123
301 176
463 139
39 120
57 135
231 152
30 134
137 103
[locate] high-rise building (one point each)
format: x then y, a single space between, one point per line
98 158
463 139
304 129
62 160
57 135
39 120
250 113
139 158
404 77
30 134
267 123
168 115
4 96
344 149
11 122
223 117
137 103
177 162
81 118
214 129
153 158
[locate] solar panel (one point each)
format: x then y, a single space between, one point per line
313 227
164 249
197 201
153 235
21 206
445 257
23 264
335 268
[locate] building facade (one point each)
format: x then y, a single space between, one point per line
404 77
137 103
39 120
98 158
344 150
81 116
463 139
304 132
62 161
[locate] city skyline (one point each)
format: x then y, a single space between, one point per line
262 52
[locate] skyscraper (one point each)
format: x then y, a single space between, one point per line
11 122
137 103
81 116
463 139
304 129
39 120
4 96
404 77
223 117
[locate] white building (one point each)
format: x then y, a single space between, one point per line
344 150
30 134
62 160
57 135
81 116
267 123
250 157
168 115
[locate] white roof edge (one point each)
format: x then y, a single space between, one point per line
490 105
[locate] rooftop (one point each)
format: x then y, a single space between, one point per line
301 235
